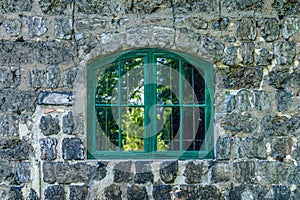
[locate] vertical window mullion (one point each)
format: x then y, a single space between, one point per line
119 108
180 107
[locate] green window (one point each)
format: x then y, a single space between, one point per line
150 104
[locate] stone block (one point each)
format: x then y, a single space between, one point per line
12 27
122 172
11 6
100 7
213 47
65 173
280 192
113 192
48 148
185 192
143 172
9 126
191 6
284 52
221 172
52 76
223 148
248 53
209 192
23 172
37 26
10 76
269 29
168 171
236 122
294 174
275 125
68 124
193 173
72 149
198 23
244 171
261 100
162 192
63 28
70 77
57 7
243 102
221 24
288 8
136 192
7 172
273 172
283 100
279 77
49 125
264 57
78 192
230 59
36 78
249 147
247 191
146 7
54 192
14 149
33 195
56 98
242 5
280 147
246 29
15 192
290 27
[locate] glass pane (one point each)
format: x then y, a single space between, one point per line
168 122
193 85
132 81
107 84
107 132
167 81
193 130
133 129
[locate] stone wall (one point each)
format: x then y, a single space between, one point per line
44 50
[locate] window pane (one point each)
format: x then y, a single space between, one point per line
132 81
193 130
107 84
168 122
167 81
194 91
107 132
133 129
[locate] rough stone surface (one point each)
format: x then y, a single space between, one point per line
279 175
193 173
284 52
136 192
168 170
244 171
70 77
68 123
280 147
221 24
113 192
248 191
270 29
264 57
185 192
283 100
213 47
49 125
248 53
72 149
143 172
48 148
243 101
224 147
36 78
59 7
246 29
290 27
10 76
236 122
122 172
23 172
37 26
63 28
33 195
54 192
12 26
14 149
261 100
78 192
249 147
161 192
15 192
220 172
12 6
275 125
55 98
9 126
52 76
209 192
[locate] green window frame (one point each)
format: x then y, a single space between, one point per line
155 106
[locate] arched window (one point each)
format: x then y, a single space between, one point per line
150 104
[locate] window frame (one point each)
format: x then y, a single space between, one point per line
208 71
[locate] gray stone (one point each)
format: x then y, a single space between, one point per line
242 77
168 171
224 147
198 23
209 192
36 78
221 172
23 172
99 7
230 58
243 101
161 192
9 126
243 5
283 100
14 149
33 195
113 192
185 7
143 172
78 192
295 81
248 53
122 172
193 173
12 26
186 192
273 172
284 7
68 123
275 125
49 125
55 98
261 100
244 171
269 29
63 28
296 152
236 122
48 148
144 6
290 27
7 172
249 147
280 147
265 57
52 76
54 192
246 29
247 191
15 193
37 26
10 76
136 192
221 24
279 77
65 173
294 175
213 46
70 77
185 36
72 149
11 6
284 52
280 192
55 7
